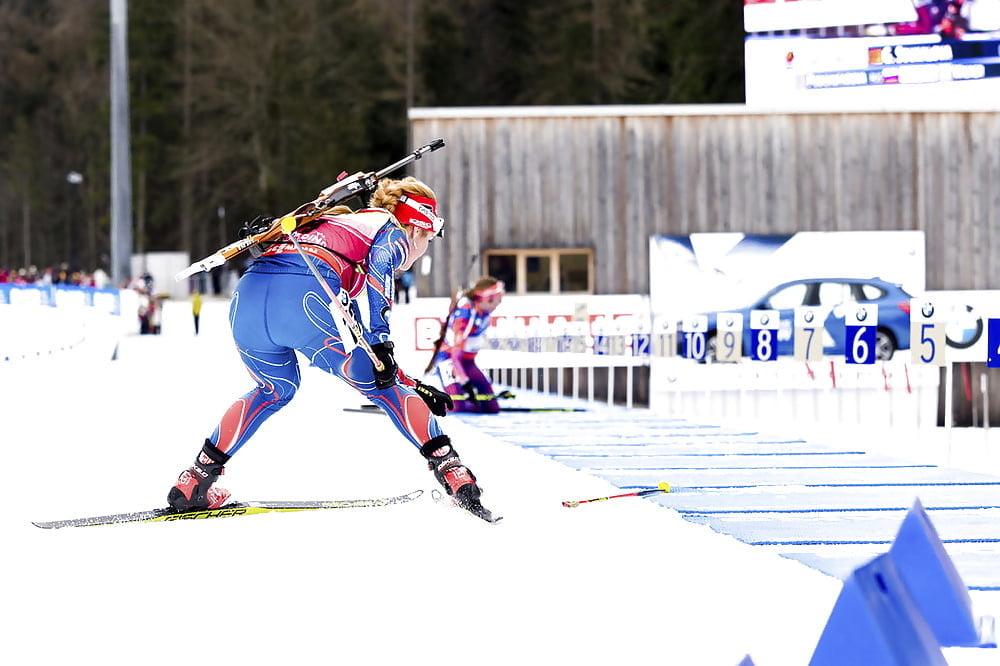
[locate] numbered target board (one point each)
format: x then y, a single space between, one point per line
993 340
809 330
664 336
764 326
729 337
693 330
860 327
927 333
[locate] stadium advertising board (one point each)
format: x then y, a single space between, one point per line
872 54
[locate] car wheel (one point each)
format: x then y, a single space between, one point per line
885 345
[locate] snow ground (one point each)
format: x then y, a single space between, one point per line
624 581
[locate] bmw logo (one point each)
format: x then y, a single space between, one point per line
862 314
764 319
809 316
927 310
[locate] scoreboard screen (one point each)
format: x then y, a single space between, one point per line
872 54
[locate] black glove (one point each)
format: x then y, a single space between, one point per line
505 395
438 401
470 390
387 376
257 225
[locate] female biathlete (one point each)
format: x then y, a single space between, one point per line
279 307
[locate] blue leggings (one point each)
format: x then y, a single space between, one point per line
272 315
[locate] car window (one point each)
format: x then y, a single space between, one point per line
835 293
870 292
790 297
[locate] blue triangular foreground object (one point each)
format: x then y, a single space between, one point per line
876 623
933 582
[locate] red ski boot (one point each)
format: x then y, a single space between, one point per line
193 489
457 479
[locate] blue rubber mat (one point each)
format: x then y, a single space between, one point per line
831 508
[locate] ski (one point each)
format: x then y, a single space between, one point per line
374 409
542 409
476 509
230 510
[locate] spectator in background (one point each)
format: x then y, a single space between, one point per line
145 312
156 316
404 283
196 308
101 278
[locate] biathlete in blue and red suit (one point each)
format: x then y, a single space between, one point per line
455 360
279 307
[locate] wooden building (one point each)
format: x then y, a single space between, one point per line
606 178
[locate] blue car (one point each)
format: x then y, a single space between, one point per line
893 313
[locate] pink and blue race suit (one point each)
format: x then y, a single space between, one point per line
462 341
279 308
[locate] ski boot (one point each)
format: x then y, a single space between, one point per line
193 490
457 479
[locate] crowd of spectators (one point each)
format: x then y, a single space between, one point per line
149 304
60 274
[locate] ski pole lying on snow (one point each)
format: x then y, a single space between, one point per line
663 487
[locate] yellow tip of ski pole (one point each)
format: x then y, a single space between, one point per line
664 486
288 224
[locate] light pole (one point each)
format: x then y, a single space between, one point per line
75 179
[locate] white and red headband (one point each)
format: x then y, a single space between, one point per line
420 212
493 290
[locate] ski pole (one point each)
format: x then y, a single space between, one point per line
444 322
339 192
502 395
288 226
664 487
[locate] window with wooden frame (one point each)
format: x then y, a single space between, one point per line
549 271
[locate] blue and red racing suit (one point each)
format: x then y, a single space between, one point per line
279 307
456 358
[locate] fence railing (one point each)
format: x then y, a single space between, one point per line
634 368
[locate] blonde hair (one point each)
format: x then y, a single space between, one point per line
389 190
386 196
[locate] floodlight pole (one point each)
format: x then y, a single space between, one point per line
121 165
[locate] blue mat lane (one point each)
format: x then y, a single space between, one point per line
831 508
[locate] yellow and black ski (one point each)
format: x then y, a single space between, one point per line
230 510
